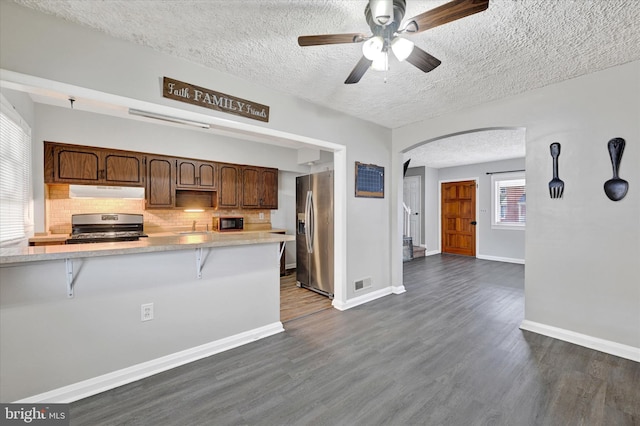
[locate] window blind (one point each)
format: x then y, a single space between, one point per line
15 176
509 201
512 201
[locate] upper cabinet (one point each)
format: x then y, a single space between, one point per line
169 182
259 188
160 190
194 174
269 189
92 166
228 193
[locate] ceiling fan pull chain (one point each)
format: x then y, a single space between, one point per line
386 67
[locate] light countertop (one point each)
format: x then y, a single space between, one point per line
53 238
154 243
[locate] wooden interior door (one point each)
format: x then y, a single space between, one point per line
458 207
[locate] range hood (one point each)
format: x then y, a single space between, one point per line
93 191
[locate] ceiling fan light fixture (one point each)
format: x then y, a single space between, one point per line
381 62
372 48
402 48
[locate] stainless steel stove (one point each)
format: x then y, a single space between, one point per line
106 227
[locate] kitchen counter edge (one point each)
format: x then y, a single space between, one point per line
12 256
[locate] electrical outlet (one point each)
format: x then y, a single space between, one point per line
261 215
146 312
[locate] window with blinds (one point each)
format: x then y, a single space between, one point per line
15 177
509 201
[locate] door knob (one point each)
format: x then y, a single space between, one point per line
416 214
474 222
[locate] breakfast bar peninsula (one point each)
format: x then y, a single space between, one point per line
96 316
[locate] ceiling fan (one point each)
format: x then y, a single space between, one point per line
384 18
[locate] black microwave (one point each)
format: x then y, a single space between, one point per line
228 224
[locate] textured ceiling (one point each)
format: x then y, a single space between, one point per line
469 148
513 47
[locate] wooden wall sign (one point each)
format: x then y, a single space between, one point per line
195 95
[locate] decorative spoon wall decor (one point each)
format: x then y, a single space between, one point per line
556 186
616 188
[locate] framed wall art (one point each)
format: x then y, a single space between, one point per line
369 180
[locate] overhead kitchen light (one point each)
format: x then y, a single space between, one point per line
168 118
118 192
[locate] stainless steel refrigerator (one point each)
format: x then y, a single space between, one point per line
314 235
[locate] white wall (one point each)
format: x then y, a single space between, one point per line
431 210
38 45
285 216
582 250
85 128
50 341
22 104
420 172
493 244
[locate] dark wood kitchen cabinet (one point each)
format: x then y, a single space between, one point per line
228 191
194 174
259 188
169 182
269 189
75 164
160 190
250 187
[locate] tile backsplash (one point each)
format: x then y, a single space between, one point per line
59 208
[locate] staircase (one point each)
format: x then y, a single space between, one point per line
418 251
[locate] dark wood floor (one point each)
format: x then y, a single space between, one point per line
446 352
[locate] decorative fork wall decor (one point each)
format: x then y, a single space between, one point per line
556 186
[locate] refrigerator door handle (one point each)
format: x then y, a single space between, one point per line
308 218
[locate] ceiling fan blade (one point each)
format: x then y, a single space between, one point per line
361 67
448 12
318 40
422 60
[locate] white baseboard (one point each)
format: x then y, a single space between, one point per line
500 259
136 372
290 265
606 346
399 289
360 300
431 252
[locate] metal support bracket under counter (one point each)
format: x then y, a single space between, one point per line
69 253
69 274
199 263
